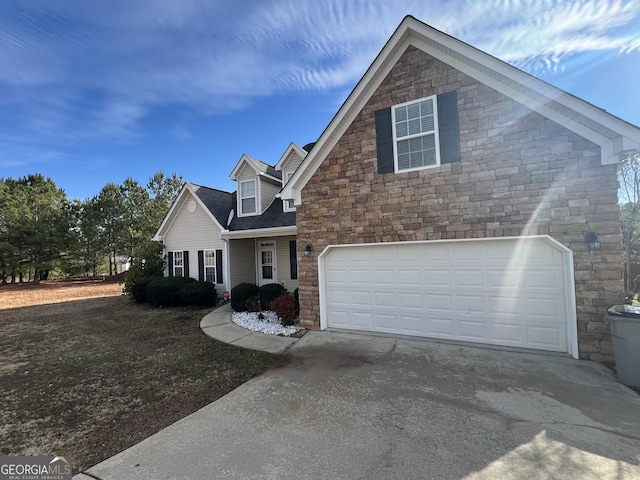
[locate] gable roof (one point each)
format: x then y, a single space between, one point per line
616 138
261 168
216 203
291 149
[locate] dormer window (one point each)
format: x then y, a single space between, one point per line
248 203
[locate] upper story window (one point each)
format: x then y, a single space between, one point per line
289 206
248 198
415 134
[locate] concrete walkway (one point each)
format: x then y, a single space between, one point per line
218 325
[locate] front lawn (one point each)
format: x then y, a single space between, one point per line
90 378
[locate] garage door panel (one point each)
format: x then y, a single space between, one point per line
441 327
359 277
385 299
410 301
473 330
360 299
439 303
384 278
468 278
438 278
505 292
409 278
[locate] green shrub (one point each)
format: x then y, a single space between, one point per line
269 292
241 293
285 307
296 297
138 290
201 294
164 291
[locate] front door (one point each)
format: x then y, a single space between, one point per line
267 263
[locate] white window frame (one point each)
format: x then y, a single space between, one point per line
288 205
178 263
209 259
434 132
241 211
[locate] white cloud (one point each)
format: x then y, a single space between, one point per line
92 69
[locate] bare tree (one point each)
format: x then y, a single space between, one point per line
629 197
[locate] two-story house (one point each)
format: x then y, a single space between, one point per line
245 236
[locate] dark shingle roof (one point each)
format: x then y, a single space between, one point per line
272 217
218 202
221 203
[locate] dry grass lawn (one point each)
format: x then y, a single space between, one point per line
86 372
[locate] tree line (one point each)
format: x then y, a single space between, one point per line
41 230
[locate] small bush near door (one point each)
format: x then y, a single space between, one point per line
285 307
241 293
269 292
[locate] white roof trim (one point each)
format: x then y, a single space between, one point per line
616 138
260 232
285 156
254 164
171 215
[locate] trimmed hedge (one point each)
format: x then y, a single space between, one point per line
139 289
269 292
241 293
164 291
201 294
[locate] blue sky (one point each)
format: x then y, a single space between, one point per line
97 91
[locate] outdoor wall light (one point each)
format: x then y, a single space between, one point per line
592 240
307 250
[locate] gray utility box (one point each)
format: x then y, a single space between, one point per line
625 331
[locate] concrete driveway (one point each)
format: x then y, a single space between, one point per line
346 406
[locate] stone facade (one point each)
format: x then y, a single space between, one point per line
520 174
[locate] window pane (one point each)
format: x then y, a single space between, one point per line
210 274
401 129
177 271
401 114
403 147
427 124
426 108
247 189
210 258
267 271
177 258
248 205
416 159
403 161
413 111
414 126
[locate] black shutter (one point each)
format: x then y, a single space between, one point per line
185 261
201 265
170 263
293 260
219 277
448 127
384 140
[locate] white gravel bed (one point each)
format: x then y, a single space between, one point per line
270 324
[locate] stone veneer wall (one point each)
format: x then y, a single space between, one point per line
521 174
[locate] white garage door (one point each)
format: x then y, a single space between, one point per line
515 291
